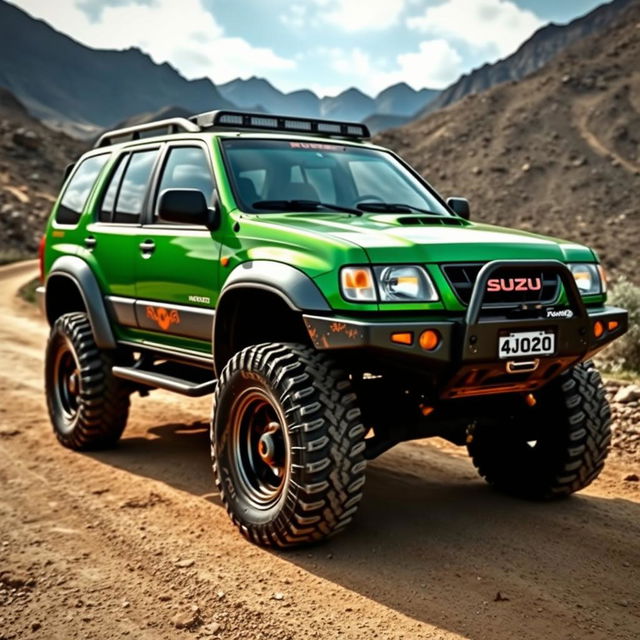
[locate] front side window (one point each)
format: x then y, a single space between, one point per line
268 174
187 168
77 192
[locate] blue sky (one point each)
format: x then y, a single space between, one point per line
325 45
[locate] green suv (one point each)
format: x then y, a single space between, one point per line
332 302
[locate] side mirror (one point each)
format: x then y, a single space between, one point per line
187 206
460 206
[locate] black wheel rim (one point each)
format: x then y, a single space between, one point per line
67 385
260 448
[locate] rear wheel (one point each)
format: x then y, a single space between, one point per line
287 444
554 449
87 405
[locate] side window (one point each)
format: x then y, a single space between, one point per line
78 190
133 188
109 200
187 168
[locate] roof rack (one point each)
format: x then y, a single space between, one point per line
221 120
171 125
234 120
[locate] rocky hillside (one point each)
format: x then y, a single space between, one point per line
533 54
556 153
32 162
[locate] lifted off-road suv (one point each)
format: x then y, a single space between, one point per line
332 302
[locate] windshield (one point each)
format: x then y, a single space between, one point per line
290 175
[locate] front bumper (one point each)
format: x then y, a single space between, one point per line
465 361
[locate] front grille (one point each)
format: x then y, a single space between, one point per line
462 278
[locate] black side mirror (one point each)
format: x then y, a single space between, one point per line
460 206
188 206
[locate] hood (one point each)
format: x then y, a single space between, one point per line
410 238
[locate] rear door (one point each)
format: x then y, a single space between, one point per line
111 237
177 265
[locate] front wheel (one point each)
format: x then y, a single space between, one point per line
287 445
554 449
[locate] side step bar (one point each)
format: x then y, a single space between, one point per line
164 381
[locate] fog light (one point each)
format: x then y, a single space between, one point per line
429 339
402 338
598 329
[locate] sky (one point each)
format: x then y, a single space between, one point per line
323 45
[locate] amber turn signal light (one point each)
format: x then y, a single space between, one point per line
598 329
429 339
613 325
402 338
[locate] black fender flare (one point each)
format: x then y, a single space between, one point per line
293 286
77 270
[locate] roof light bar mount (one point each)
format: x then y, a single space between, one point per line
230 120
238 120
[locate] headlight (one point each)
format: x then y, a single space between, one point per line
589 278
400 283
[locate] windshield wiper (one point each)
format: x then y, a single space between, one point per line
395 207
302 205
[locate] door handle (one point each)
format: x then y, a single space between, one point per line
147 247
90 242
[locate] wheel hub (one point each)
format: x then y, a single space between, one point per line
267 445
73 383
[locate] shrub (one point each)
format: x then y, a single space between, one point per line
623 355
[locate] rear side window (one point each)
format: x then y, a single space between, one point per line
77 192
132 188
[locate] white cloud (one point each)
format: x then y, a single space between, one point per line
495 26
435 64
356 15
182 33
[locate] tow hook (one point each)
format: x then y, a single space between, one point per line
526 366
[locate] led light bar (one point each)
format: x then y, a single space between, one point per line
268 122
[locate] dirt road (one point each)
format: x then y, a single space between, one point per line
133 543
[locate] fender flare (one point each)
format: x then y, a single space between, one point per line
77 270
294 287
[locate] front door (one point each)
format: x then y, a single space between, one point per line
177 265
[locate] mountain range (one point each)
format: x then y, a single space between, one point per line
533 54
80 90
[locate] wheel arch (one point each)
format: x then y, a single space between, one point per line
263 301
72 286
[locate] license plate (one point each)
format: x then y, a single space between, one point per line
526 343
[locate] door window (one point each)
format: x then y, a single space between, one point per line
187 168
109 200
133 188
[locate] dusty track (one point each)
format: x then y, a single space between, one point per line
97 540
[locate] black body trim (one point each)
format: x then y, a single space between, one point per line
175 319
292 285
79 271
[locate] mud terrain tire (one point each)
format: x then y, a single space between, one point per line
287 445
556 448
88 406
